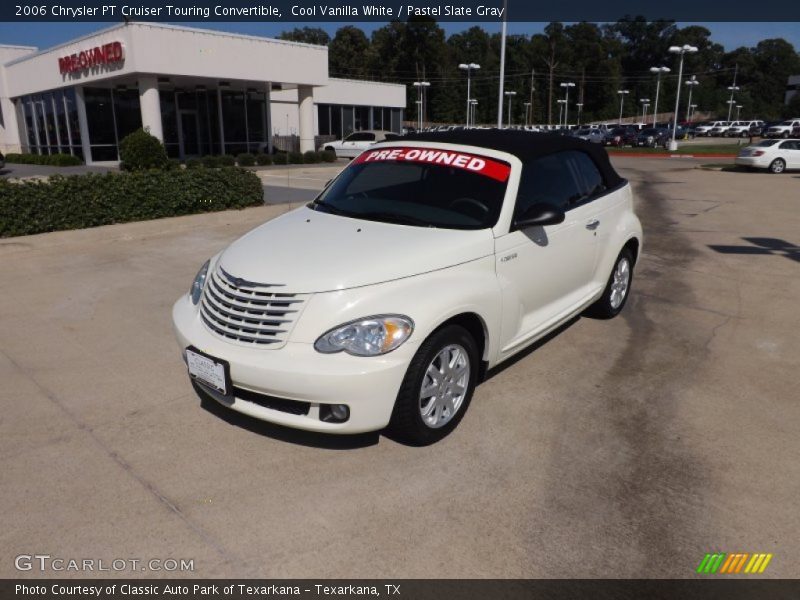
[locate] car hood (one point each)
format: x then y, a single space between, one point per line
308 251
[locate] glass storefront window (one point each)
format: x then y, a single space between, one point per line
233 121
100 119
127 111
324 119
362 118
72 121
256 121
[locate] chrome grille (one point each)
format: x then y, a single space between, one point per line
248 312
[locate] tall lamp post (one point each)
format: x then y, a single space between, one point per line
645 105
692 108
561 104
566 85
527 106
580 112
658 71
681 50
690 83
509 95
733 89
469 67
421 86
622 94
738 111
474 105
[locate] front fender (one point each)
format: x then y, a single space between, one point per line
429 299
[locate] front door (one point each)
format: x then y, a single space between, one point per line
189 133
546 272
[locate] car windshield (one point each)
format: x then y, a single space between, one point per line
765 143
422 187
788 123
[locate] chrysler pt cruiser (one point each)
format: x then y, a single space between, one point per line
425 262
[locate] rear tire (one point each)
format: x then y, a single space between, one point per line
617 290
777 166
437 389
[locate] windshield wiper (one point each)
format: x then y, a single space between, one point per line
395 218
330 208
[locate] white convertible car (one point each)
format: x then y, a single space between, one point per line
427 261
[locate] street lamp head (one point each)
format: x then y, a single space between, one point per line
682 49
660 69
644 100
474 66
623 91
463 66
733 88
567 84
510 93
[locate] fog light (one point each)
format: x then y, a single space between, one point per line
334 413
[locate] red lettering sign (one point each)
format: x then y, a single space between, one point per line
448 158
99 55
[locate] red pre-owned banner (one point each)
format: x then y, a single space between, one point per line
448 158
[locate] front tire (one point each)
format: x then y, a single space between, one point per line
777 166
617 290
437 388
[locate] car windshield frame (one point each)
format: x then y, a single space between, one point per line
466 193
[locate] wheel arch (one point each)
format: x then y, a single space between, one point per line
477 328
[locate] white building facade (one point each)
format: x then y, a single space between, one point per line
199 91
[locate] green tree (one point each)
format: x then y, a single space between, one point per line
307 35
348 53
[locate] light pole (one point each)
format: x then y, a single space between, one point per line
692 108
469 67
645 105
421 86
682 50
580 112
690 84
658 71
474 104
561 104
622 94
509 95
733 89
566 85
527 106
738 111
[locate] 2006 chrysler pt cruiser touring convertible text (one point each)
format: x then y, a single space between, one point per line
426 261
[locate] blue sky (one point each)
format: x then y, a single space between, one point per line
43 35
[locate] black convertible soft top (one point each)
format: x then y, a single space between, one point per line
525 145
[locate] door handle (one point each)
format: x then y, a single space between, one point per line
592 225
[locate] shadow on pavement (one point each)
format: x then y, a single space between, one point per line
762 246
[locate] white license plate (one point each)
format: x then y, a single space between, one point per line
207 370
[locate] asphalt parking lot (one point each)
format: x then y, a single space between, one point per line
623 448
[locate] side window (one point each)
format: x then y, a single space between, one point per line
592 180
789 145
361 137
547 179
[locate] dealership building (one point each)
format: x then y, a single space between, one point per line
199 91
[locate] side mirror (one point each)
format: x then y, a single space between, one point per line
541 213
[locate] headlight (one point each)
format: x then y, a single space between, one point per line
370 336
196 291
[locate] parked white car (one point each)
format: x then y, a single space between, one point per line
774 155
742 128
358 141
706 128
424 263
783 130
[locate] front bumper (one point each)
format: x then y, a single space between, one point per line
367 385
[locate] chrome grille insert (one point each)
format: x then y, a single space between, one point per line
248 312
